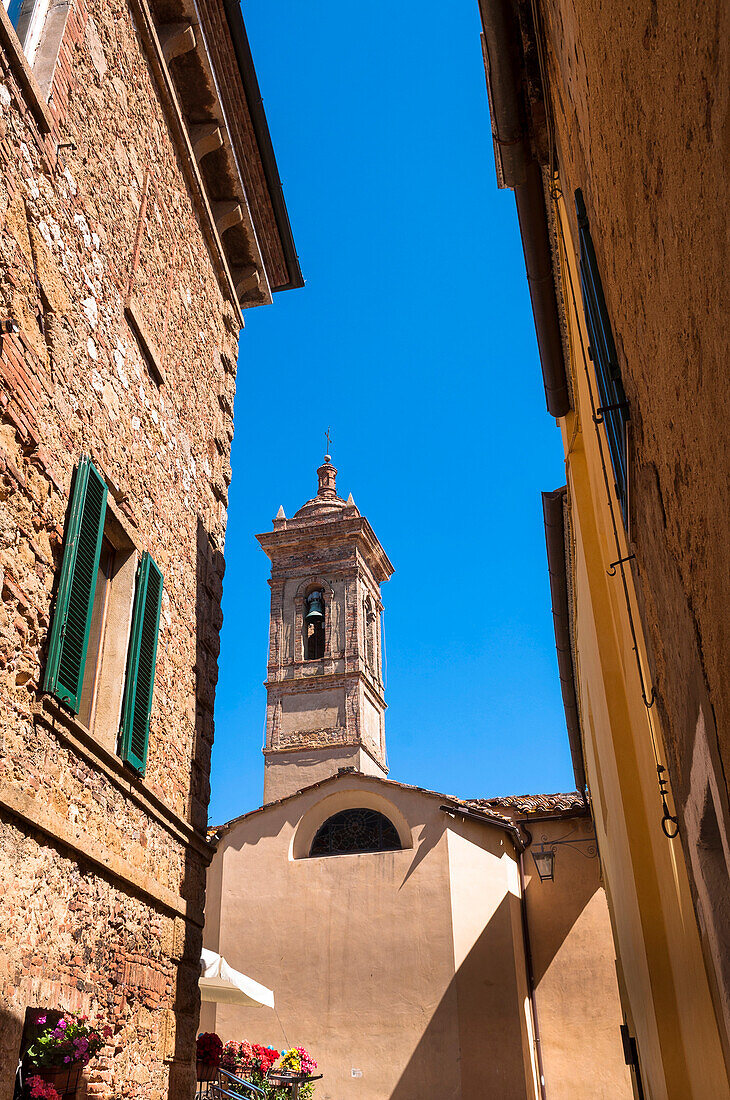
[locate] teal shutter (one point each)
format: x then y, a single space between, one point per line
69 636
614 409
140 680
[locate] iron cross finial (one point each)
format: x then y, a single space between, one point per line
328 437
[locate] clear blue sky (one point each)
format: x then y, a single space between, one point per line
414 340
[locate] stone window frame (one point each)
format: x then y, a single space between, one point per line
21 70
32 18
145 343
41 41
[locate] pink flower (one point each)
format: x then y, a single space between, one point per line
39 1090
107 1032
41 1020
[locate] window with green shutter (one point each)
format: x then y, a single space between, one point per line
139 685
614 410
69 636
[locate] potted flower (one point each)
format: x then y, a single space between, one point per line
208 1052
60 1051
38 1089
298 1062
251 1061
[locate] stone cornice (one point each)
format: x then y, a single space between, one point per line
356 743
293 535
304 686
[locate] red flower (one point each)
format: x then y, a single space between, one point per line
40 1090
209 1048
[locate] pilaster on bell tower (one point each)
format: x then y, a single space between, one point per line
325 697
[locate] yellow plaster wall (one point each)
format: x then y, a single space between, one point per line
667 999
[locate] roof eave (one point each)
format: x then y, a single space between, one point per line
263 140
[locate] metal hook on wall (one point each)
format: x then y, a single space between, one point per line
611 571
670 823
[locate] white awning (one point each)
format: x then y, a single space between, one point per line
219 982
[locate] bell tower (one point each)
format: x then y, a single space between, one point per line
325 706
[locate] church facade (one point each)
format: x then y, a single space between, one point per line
419 945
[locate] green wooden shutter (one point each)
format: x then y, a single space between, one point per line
72 616
614 409
140 680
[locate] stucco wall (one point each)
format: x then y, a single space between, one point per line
411 965
360 952
573 959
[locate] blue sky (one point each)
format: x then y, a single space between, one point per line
414 340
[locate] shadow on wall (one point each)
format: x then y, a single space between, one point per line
552 911
482 1055
484 996
208 620
431 834
11 1032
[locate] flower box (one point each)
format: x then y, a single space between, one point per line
206 1071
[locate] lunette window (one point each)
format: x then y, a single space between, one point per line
101 601
614 409
355 830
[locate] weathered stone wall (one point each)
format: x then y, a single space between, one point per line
640 97
102 873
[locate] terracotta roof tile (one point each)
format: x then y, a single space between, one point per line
534 803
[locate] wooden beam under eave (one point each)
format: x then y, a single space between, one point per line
227 214
205 138
176 39
245 279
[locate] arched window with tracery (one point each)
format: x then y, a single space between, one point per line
355 830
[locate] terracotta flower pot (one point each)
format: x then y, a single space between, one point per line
206 1071
65 1079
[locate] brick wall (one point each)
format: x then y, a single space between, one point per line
102 873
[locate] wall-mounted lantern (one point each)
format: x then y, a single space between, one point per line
544 857
544 854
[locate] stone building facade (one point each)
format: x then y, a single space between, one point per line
610 125
140 212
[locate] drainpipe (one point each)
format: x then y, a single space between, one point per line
518 169
529 969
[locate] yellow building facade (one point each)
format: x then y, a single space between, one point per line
586 100
666 996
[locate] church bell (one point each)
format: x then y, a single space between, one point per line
315 607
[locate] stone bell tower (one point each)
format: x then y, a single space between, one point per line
325 706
